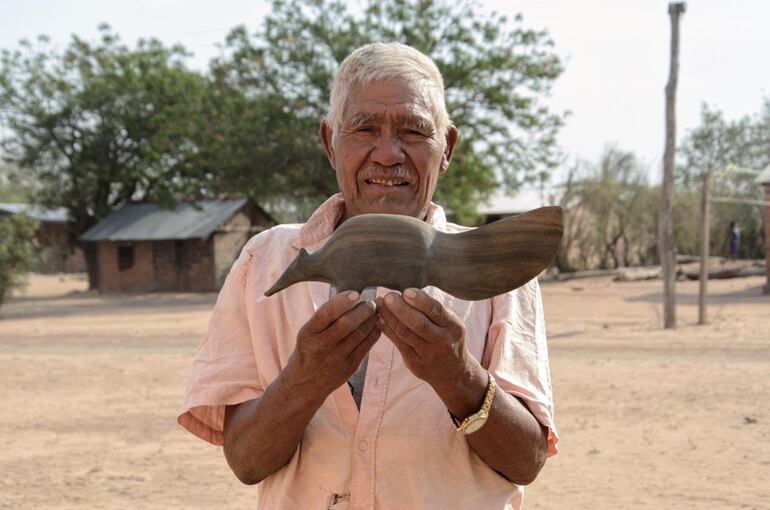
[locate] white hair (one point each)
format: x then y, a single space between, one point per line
388 61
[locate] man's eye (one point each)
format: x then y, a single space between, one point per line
413 132
365 129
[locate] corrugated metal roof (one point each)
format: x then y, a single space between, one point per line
57 215
148 222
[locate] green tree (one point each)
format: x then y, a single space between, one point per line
496 74
711 147
18 249
11 189
99 124
611 214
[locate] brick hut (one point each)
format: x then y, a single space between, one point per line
764 180
58 250
144 248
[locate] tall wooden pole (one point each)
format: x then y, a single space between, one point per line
766 185
704 248
666 246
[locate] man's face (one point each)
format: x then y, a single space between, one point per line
388 154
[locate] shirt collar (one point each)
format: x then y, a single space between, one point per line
324 220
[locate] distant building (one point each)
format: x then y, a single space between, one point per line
501 204
144 248
764 180
59 252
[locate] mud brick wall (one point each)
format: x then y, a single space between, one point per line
186 265
228 243
166 267
196 262
140 277
58 253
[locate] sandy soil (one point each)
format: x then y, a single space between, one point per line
648 418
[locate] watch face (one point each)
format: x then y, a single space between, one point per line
475 424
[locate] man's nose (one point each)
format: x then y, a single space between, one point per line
388 151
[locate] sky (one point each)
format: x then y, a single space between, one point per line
616 54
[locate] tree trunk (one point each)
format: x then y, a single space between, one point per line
667 248
626 251
704 248
91 254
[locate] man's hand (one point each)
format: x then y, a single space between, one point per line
262 434
332 344
431 338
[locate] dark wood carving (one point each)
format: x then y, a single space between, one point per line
398 252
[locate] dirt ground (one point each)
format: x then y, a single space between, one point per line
90 387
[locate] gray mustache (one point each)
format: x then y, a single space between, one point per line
399 252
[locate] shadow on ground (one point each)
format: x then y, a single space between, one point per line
751 295
91 303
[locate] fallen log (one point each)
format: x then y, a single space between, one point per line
719 268
591 273
728 269
695 259
635 274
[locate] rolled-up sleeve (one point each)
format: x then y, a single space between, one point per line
516 353
224 370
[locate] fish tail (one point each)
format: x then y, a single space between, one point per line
496 257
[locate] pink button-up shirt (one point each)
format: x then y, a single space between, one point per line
401 451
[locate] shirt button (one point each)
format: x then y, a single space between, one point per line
362 445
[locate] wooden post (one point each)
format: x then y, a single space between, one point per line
666 246
704 248
766 185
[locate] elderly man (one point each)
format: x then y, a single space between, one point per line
421 400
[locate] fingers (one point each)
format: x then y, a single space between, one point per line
430 307
363 347
360 333
410 319
330 311
392 325
405 346
349 322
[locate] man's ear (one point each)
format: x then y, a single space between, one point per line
452 136
327 135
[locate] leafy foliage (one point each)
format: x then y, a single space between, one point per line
100 124
496 75
718 142
18 248
712 147
12 189
611 214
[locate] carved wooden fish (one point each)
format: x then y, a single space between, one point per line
398 252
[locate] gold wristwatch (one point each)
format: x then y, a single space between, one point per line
477 420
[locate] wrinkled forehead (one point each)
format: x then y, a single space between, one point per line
401 101
421 121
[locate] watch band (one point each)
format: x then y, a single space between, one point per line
479 418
